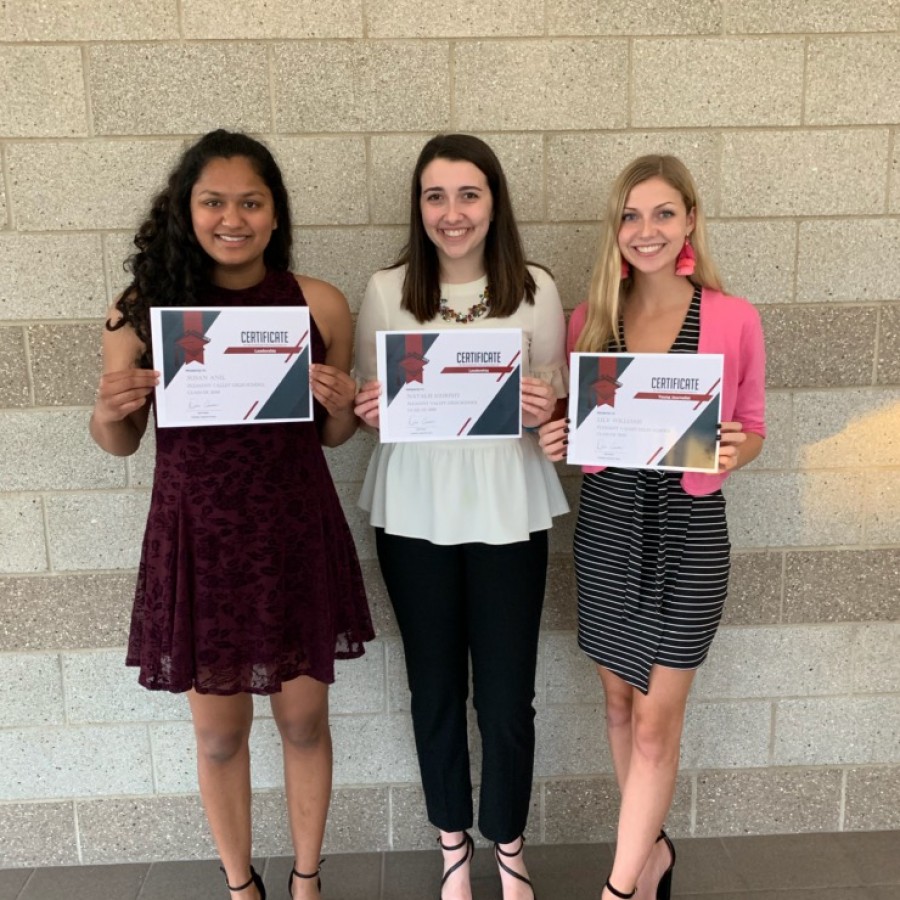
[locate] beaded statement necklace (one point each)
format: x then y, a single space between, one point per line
471 314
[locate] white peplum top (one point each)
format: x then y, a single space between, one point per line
469 491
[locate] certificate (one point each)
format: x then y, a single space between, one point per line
645 410
242 365
455 384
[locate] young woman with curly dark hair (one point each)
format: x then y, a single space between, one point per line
248 581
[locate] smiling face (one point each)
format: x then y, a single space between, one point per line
654 226
233 216
456 206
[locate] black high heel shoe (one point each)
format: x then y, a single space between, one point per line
466 842
498 853
255 880
664 888
295 874
617 893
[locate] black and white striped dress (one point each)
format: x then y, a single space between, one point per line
651 563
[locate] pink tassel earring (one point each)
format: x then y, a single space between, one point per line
686 261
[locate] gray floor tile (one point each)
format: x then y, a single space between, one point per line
86 883
860 892
569 871
885 892
786 861
876 854
852 866
196 880
840 893
413 874
12 881
731 895
704 866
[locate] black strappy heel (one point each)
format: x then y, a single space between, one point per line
664 888
617 893
499 853
466 842
255 880
295 874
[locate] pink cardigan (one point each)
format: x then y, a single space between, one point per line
731 326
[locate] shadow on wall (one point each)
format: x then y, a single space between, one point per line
872 439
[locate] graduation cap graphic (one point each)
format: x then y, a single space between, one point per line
605 388
412 363
192 344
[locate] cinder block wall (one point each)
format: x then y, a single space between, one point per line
786 111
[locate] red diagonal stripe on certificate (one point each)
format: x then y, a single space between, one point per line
709 392
465 425
509 366
247 415
650 461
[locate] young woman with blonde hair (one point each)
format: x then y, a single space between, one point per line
651 547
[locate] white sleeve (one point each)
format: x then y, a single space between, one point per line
373 316
548 342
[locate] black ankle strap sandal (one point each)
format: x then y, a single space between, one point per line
254 879
295 874
500 852
466 842
619 894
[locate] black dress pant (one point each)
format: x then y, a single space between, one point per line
451 602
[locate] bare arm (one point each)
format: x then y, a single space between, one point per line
122 406
331 382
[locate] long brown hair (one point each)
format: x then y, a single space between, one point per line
608 288
508 278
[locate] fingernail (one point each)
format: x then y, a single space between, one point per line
566 430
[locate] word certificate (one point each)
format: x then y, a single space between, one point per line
239 365
445 385
645 410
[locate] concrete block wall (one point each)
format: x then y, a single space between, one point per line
787 112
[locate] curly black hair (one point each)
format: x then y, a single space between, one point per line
170 267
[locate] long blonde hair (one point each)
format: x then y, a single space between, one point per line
608 288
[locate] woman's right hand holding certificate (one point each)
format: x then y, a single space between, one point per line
122 393
366 405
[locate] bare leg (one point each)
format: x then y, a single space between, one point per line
222 728
657 722
301 713
619 702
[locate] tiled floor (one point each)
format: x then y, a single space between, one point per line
788 867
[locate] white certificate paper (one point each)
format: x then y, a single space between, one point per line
239 365
455 384
645 410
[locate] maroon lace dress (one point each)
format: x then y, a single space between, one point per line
248 574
